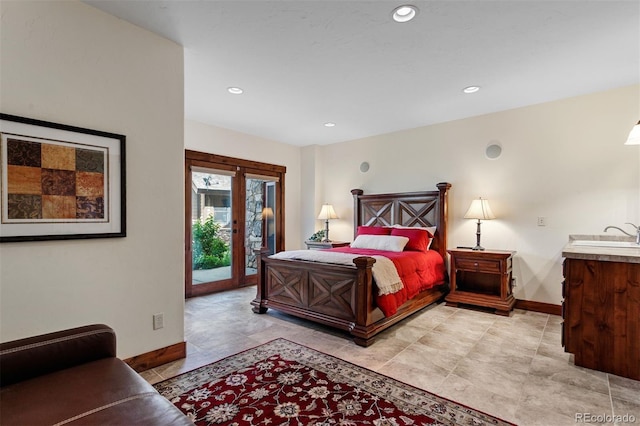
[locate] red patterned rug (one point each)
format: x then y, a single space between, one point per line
283 383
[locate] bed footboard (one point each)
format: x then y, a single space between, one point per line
336 295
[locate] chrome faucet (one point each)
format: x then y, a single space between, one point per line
637 228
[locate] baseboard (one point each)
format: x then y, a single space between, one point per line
157 357
545 308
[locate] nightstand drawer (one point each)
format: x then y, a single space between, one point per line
477 265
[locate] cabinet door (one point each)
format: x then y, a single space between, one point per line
573 289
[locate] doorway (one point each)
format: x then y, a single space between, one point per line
232 208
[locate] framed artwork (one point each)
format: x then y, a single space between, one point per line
60 182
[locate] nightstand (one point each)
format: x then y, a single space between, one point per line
321 245
482 278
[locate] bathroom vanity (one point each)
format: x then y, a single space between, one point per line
601 307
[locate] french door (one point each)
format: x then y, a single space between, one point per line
232 208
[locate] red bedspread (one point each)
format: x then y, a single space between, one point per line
418 270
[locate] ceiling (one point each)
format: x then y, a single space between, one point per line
304 63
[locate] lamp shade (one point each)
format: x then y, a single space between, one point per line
327 212
634 135
480 210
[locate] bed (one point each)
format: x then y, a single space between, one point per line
344 296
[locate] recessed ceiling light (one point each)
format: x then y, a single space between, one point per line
471 89
235 90
329 124
404 13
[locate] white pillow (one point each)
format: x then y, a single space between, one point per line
430 229
380 242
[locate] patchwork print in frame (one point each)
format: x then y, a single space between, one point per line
60 182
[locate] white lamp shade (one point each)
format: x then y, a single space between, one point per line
479 209
634 135
327 212
267 213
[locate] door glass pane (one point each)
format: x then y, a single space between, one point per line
211 226
270 217
260 220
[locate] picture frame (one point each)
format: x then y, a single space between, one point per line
60 182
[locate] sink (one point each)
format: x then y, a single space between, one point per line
604 243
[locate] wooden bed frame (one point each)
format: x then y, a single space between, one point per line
344 296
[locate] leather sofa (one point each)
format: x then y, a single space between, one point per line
73 377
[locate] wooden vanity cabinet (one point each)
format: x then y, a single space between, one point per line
601 312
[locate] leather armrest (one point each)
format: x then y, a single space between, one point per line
34 356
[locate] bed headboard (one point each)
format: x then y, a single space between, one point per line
427 208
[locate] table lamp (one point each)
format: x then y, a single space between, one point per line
327 213
479 210
634 135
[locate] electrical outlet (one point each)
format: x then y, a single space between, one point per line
542 221
158 321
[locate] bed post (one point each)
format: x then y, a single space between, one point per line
443 187
356 209
364 300
259 302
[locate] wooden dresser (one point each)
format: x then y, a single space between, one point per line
601 312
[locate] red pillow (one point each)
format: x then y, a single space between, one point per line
373 230
419 239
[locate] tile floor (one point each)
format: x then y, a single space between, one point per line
511 367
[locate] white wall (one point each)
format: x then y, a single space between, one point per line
312 196
563 160
66 62
216 140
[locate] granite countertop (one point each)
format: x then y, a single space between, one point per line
605 254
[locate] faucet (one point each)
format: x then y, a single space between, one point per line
637 228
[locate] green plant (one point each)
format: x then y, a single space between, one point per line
318 236
209 250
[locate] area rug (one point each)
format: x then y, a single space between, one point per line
284 383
